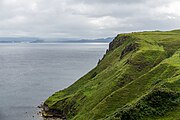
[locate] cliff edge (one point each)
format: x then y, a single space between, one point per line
137 79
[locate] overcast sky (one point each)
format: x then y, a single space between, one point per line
86 18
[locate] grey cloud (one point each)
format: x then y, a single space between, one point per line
85 18
110 1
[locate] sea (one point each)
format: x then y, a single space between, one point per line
30 73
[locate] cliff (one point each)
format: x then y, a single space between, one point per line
138 78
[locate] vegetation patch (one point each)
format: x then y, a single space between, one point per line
158 102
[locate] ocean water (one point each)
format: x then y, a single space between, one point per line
30 73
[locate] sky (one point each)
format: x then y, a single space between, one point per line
85 18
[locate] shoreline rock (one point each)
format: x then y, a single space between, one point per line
48 114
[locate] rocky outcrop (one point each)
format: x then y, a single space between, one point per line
118 42
128 49
51 113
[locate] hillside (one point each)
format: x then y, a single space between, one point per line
138 78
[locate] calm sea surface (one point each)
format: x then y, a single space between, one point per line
29 73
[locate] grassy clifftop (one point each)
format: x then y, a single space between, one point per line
138 78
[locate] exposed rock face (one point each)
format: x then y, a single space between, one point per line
117 42
50 113
128 49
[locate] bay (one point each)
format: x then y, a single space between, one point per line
30 73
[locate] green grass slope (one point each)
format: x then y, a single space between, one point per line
138 78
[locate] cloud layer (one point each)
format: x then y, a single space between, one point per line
86 18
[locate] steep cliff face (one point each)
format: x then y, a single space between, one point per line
138 78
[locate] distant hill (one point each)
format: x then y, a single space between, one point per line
16 39
52 40
38 41
137 79
100 40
